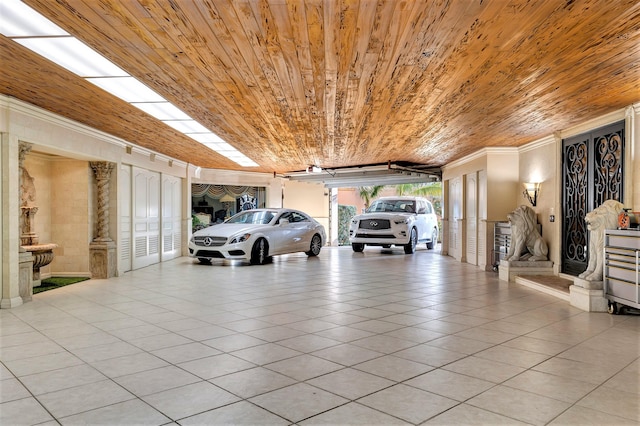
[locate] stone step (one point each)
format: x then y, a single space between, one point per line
552 285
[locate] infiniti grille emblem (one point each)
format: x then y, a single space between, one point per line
373 223
208 241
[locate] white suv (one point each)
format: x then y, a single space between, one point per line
400 221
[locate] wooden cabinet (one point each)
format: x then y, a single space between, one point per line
622 268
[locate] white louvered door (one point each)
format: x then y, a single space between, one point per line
146 217
471 217
124 198
171 217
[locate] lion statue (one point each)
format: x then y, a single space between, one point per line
526 241
601 218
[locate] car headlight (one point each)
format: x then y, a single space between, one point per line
354 221
240 238
400 221
192 239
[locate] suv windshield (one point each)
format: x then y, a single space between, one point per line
395 206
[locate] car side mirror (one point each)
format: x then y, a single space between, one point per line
284 222
422 211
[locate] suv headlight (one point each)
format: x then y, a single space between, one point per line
240 238
354 221
400 221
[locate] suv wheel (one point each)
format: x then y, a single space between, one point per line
434 239
357 247
410 247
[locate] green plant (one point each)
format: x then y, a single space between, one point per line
345 214
368 193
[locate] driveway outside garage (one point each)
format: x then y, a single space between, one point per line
344 338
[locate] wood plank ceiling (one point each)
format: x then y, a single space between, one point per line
340 83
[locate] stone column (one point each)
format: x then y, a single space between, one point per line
28 209
102 249
27 227
11 255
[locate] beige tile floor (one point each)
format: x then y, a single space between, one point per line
372 338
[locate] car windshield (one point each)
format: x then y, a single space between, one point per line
406 206
256 217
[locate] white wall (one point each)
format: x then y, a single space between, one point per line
311 198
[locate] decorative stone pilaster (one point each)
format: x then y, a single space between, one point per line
27 198
102 259
25 280
102 250
102 170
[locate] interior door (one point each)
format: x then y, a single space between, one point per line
455 215
471 216
146 217
124 198
592 172
171 217
483 250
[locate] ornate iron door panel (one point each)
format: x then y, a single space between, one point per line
592 173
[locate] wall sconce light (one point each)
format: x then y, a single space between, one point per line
314 169
531 190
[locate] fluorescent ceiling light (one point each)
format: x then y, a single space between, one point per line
128 89
162 110
206 138
19 20
72 54
220 146
246 162
186 126
35 32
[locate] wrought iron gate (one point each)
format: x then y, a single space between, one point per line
592 172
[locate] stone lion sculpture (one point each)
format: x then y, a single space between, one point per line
526 241
601 218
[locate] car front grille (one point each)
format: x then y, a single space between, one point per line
210 253
209 241
375 224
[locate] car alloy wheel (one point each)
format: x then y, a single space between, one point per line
260 252
410 247
316 246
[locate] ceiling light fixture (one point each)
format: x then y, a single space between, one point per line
35 32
